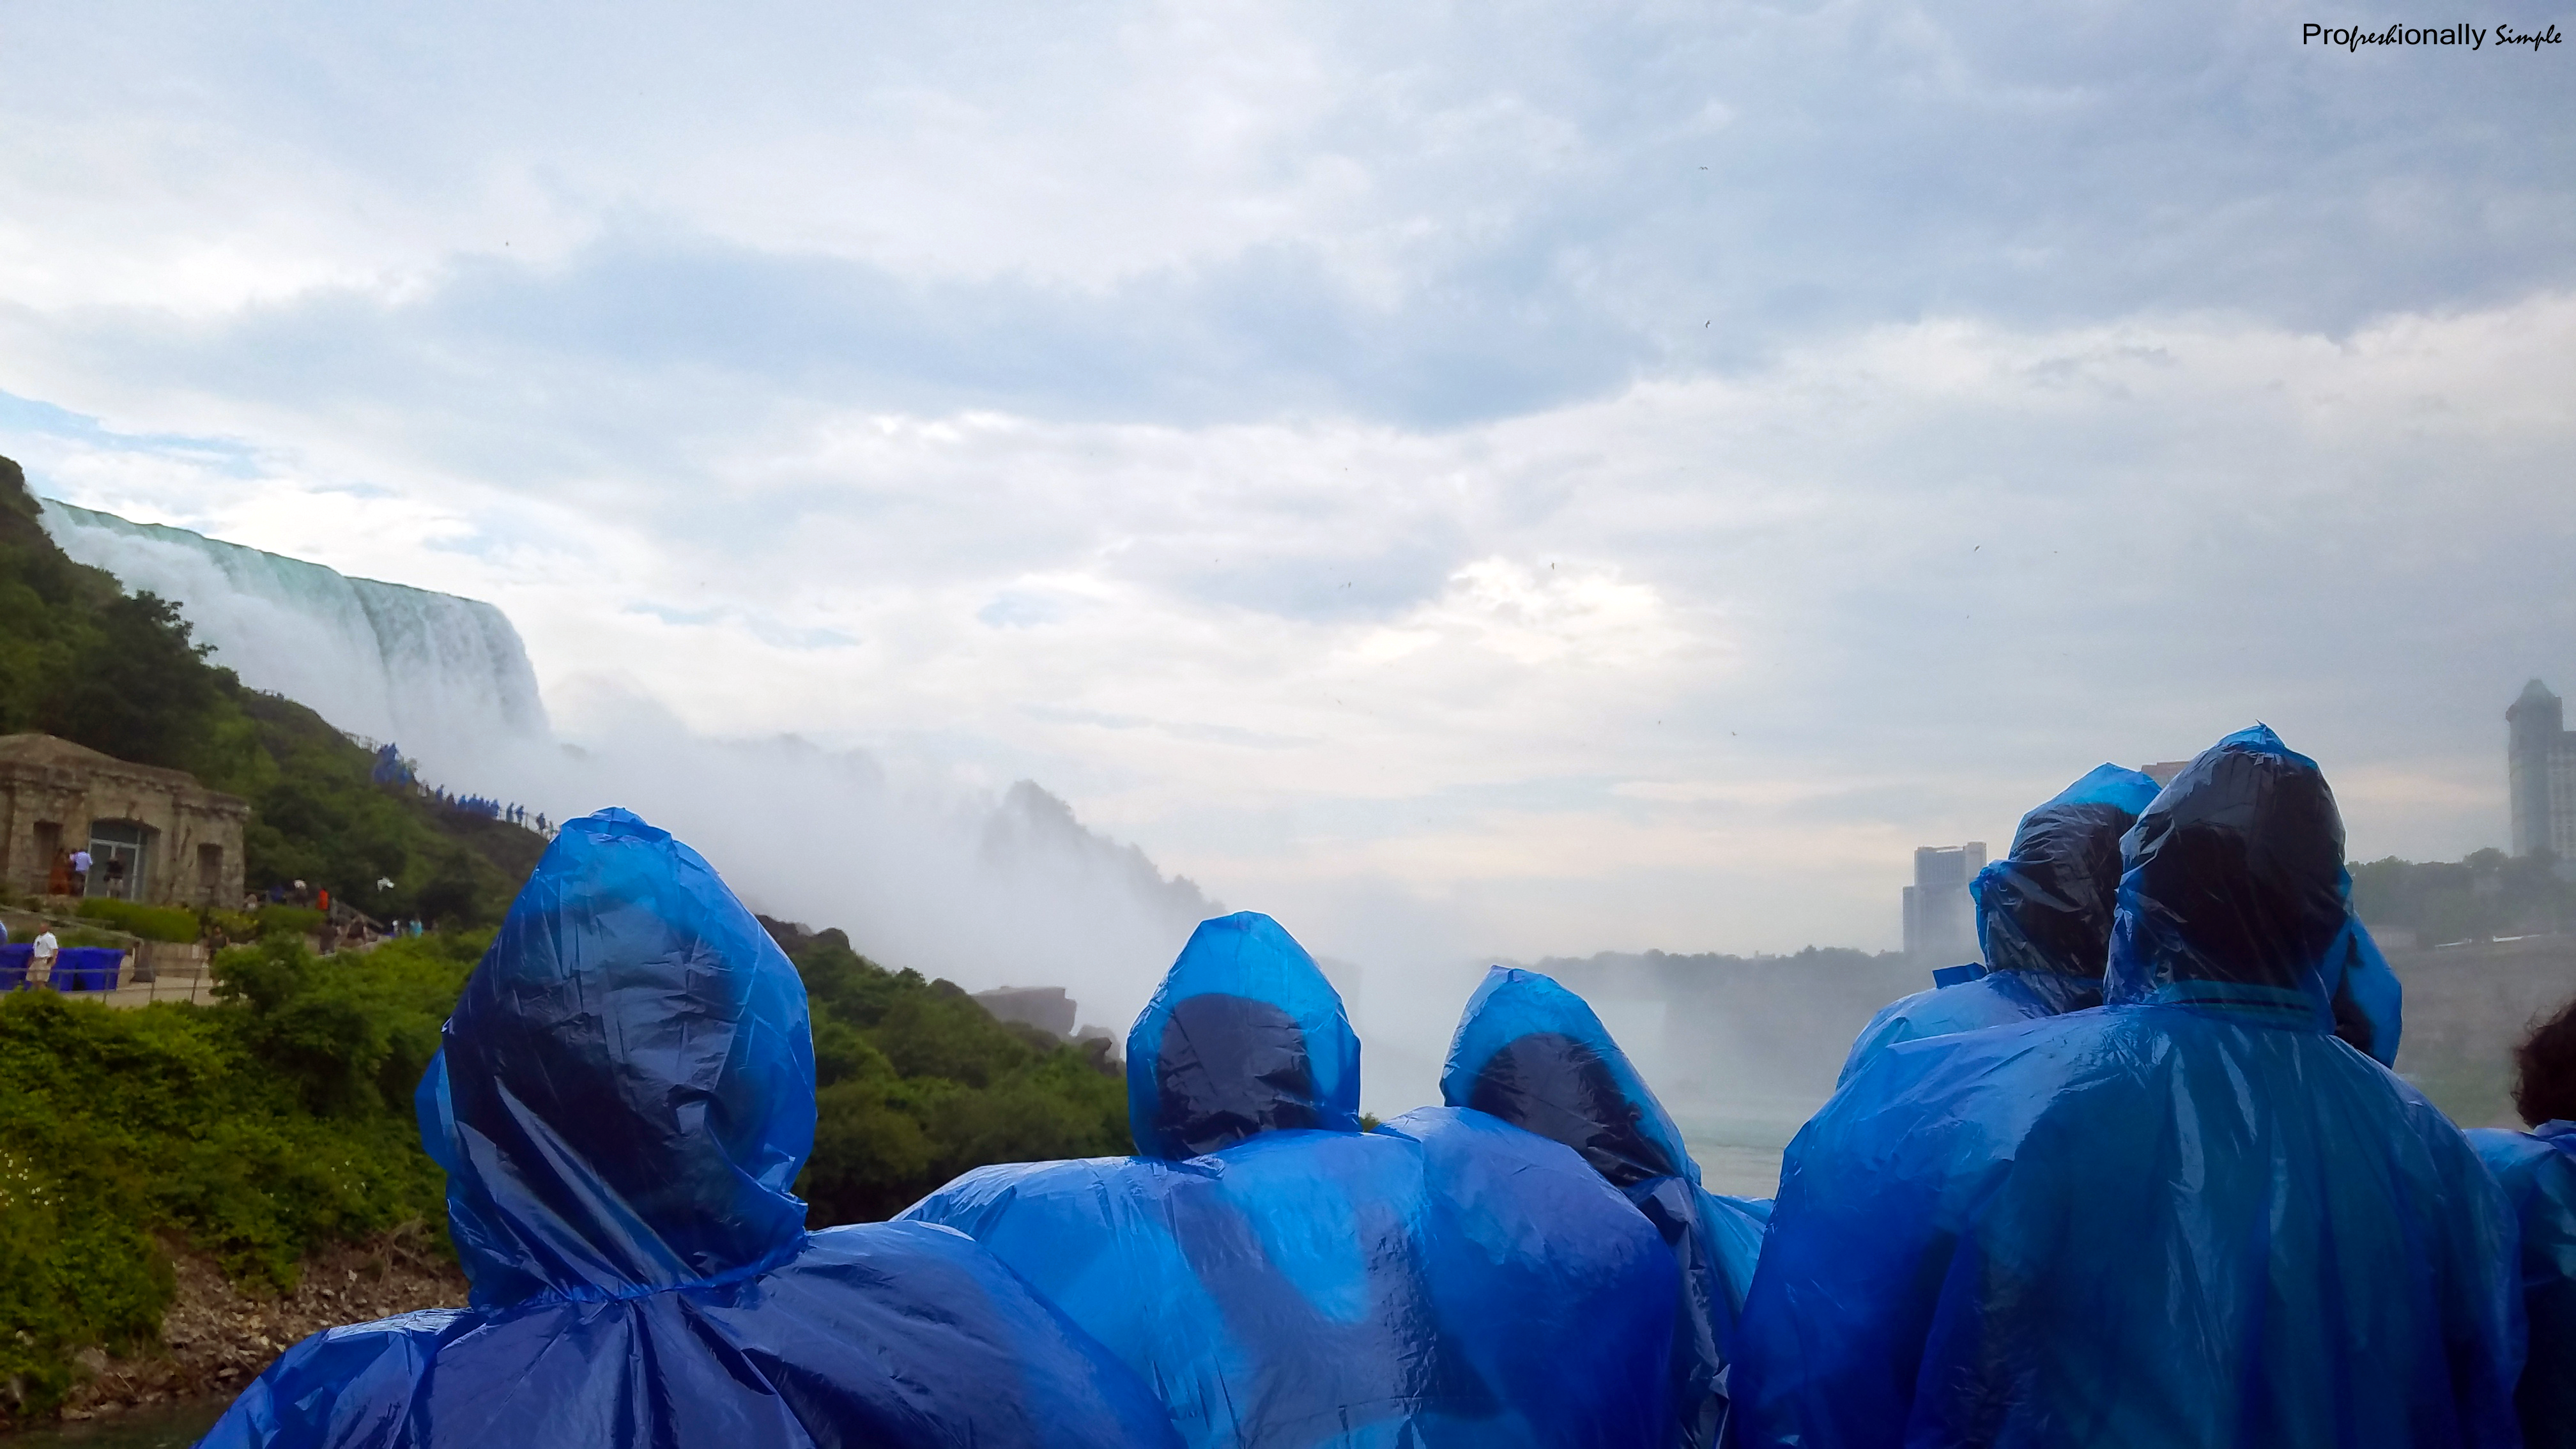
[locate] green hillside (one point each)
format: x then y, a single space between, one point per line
278 1119
82 659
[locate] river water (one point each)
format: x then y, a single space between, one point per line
154 1426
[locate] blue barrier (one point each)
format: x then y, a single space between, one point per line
88 968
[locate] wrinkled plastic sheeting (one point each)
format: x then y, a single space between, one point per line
877 1334
2538 1173
630 1079
1531 1053
622 1101
2187 1217
2043 920
2047 905
2369 1004
1244 1036
1443 1280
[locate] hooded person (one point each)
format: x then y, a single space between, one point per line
1286 1279
622 1100
2189 1216
2538 1172
2043 920
1533 1054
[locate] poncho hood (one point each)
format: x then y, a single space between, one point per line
626 1090
1244 1036
2047 907
1534 1054
2235 887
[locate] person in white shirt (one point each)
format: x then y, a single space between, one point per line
40 967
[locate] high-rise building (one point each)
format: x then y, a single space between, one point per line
2540 773
1940 920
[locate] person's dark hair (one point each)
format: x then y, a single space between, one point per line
2544 1070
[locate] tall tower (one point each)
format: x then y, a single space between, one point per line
1940 919
2535 729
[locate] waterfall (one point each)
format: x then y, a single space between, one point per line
445 678
990 891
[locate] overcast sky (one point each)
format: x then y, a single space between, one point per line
1584 476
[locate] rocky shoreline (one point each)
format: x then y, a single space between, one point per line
216 1338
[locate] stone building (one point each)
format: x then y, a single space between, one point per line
154 836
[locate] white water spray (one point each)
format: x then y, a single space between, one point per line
951 881
444 676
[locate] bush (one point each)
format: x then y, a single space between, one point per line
152 923
919 1084
91 936
256 1130
270 921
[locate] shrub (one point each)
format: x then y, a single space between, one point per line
287 920
920 1083
256 1129
152 923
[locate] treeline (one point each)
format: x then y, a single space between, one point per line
279 1119
119 673
918 1083
2482 895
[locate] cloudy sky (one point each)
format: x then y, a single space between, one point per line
1577 476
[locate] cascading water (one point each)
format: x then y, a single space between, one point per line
444 677
947 879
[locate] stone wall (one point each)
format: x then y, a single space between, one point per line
54 794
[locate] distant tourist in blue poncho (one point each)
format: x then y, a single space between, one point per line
2189 1217
1533 1054
1286 1279
2043 920
2538 1172
624 1096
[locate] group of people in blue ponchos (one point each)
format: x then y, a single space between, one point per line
2140 1177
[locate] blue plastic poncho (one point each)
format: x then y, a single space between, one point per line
1285 1279
2538 1172
1533 1054
624 1096
2043 920
2191 1216
2369 1004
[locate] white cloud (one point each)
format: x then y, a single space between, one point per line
1577 476
1773 627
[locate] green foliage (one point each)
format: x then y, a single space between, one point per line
283 920
919 1083
255 1130
152 923
121 674
85 936
137 687
2485 894
318 816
